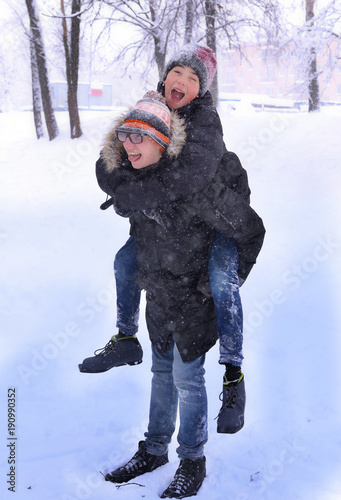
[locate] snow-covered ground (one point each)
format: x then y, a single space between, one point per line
57 307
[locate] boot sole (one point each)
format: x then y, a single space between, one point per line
230 430
130 363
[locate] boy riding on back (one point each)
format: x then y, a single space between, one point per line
172 261
192 176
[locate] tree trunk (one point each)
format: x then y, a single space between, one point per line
160 57
38 41
314 92
159 49
36 92
210 14
72 66
189 21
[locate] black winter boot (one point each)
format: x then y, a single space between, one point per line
141 463
187 479
120 350
231 415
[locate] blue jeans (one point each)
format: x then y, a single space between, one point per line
174 384
128 292
224 282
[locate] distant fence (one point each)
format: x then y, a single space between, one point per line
260 102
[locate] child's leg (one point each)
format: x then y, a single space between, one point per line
128 292
190 383
153 452
163 403
175 380
223 273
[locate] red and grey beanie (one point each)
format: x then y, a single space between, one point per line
198 57
151 116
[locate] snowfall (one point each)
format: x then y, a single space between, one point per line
60 429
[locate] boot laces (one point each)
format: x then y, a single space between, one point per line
107 348
134 464
231 397
183 478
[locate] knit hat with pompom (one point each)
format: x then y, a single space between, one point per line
200 59
151 116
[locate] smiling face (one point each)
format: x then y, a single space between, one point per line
181 86
144 154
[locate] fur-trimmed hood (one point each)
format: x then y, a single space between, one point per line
113 150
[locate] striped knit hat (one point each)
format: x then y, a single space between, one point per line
152 116
200 59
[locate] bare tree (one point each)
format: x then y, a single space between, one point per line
236 22
14 59
164 24
189 21
314 93
315 46
154 20
230 23
71 48
37 37
36 98
210 18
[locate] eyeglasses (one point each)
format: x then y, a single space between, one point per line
134 138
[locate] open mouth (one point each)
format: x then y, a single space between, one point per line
134 157
177 95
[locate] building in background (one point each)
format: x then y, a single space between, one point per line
98 96
262 72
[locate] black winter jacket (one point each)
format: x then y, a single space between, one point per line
171 263
172 266
173 239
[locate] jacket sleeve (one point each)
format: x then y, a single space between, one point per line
103 176
234 175
227 212
180 179
108 182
